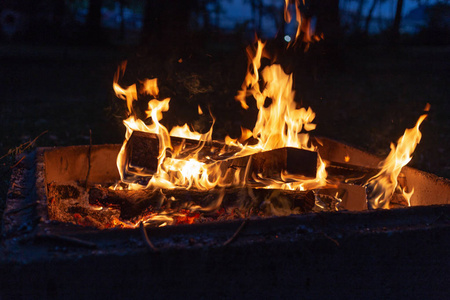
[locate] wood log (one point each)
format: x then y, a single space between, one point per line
256 201
348 173
270 164
143 149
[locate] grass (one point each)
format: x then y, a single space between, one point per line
367 101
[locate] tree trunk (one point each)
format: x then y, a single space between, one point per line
369 17
397 20
358 17
260 15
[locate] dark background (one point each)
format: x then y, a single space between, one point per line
58 58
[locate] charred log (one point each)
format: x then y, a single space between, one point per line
142 151
211 203
270 164
343 172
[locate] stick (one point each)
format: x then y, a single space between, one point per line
233 237
23 147
16 210
146 238
17 163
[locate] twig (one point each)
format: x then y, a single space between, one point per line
330 238
16 210
89 159
23 146
15 165
146 238
233 237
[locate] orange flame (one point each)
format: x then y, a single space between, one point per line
303 24
281 123
382 185
252 78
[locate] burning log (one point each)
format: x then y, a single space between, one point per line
348 173
142 151
246 201
270 164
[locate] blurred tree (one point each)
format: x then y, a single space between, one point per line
358 16
437 30
369 17
203 14
275 12
395 31
217 9
93 21
257 8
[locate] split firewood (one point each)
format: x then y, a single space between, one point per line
348 173
267 201
142 151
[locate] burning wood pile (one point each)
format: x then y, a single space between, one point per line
182 176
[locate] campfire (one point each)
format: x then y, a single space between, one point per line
274 213
176 175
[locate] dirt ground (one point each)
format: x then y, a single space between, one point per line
367 101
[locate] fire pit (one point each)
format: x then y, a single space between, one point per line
393 249
67 171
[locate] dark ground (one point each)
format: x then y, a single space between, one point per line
367 101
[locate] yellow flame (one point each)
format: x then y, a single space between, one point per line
245 134
128 94
382 186
295 182
252 77
287 14
281 123
150 87
185 132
